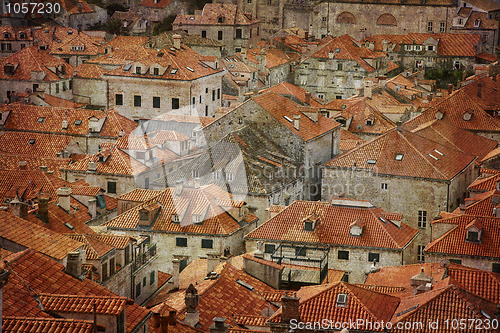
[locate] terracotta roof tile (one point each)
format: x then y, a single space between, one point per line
127 41
15 33
461 45
10 161
421 157
485 284
90 71
29 235
378 44
12 324
362 112
454 241
117 241
31 59
285 88
334 226
485 183
489 95
139 195
35 144
279 107
107 305
95 248
211 11
48 277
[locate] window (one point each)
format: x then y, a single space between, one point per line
216 175
137 100
35 87
41 120
181 242
442 27
420 252
218 93
207 244
144 215
308 226
429 26
399 157
206 110
418 47
194 101
112 187
477 23
156 102
457 64
152 278
156 71
430 47
345 278
175 103
249 1
112 266
269 248
138 70
384 186
422 219
31 141
213 95
137 289
495 267
339 66
343 255
300 252
203 34
238 33
373 256
104 270
219 35
175 218
323 19
341 300
144 281
64 86
473 236
57 88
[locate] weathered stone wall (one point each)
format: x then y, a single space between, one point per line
91 91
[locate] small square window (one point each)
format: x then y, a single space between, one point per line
495 267
300 252
41 120
175 103
456 261
420 252
343 255
384 186
137 101
112 187
31 141
156 102
152 276
339 66
78 122
399 157
144 281
118 99
269 248
219 35
181 242
238 33
207 243
156 71
203 34
373 256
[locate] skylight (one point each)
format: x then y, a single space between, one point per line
190 69
341 300
31 141
173 71
127 67
371 161
434 157
78 122
288 118
41 120
437 151
246 285
399 157
337 50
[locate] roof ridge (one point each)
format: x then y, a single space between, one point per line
438 292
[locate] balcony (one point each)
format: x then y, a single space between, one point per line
142 258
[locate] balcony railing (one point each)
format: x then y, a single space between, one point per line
143 258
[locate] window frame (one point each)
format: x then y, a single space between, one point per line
181 242
344 256
137 101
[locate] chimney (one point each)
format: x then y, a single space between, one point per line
196 183
243 54
43 207
22 165
19 208
92 207
306 36
290 308
192 316
92 166
384 45
296 120
43 168
450 88
177 41
219 325
74 263
175 274
178 188
212 262
479 89
368 89
308 98
64 194
421 282
65 124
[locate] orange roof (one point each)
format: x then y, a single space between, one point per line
285 88
454 241
31 59
461 45
10 161
319 302
361 112
224 297
30 235
155 4
485 184
90 71
94 247
44 276
489 96
334 226
60 102
378 43
127 41
232 15
65 41
481 204
15 33
117 241
205 201
485 284
419 157
35 144
279 107
107 305
11 324
139 195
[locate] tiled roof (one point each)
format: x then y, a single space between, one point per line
378 44
31 59
482 204
12 324
139 195
206 201
155 4
118 163
59 102
163 278
34 144
361 112
247 320
90 71
440 305
127 41
62 41
454 241
211 11
29 235
421 157
451 45
319 302
15 33
334 226
45 276
117 241
484 22
485 284
485 184
10 161
275 58
176 64
107 305
347 48
349 140
276 208
224 297
489 96
165 40
285 88
279 107
453 110
486 5
452 136
94 247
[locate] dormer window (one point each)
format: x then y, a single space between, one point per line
101 159
369 122
474 231
77 47
356 228
473 236
195 173
460 21
6 35
156 71
197 218
175 218
477 23
138 70
220 19
430 48
140 155
311 222
341 300
144 215
371 162
41 120
22 35
308 226
229 176
216 175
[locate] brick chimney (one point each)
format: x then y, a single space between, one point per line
43 207
19 208
308 98
177 41
290 308
64 194
192 299
480 90
219 325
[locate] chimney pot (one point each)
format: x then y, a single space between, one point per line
64 194
177 41
175 273
43 207
22 165
290 308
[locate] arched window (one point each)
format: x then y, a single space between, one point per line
346 18
387 19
